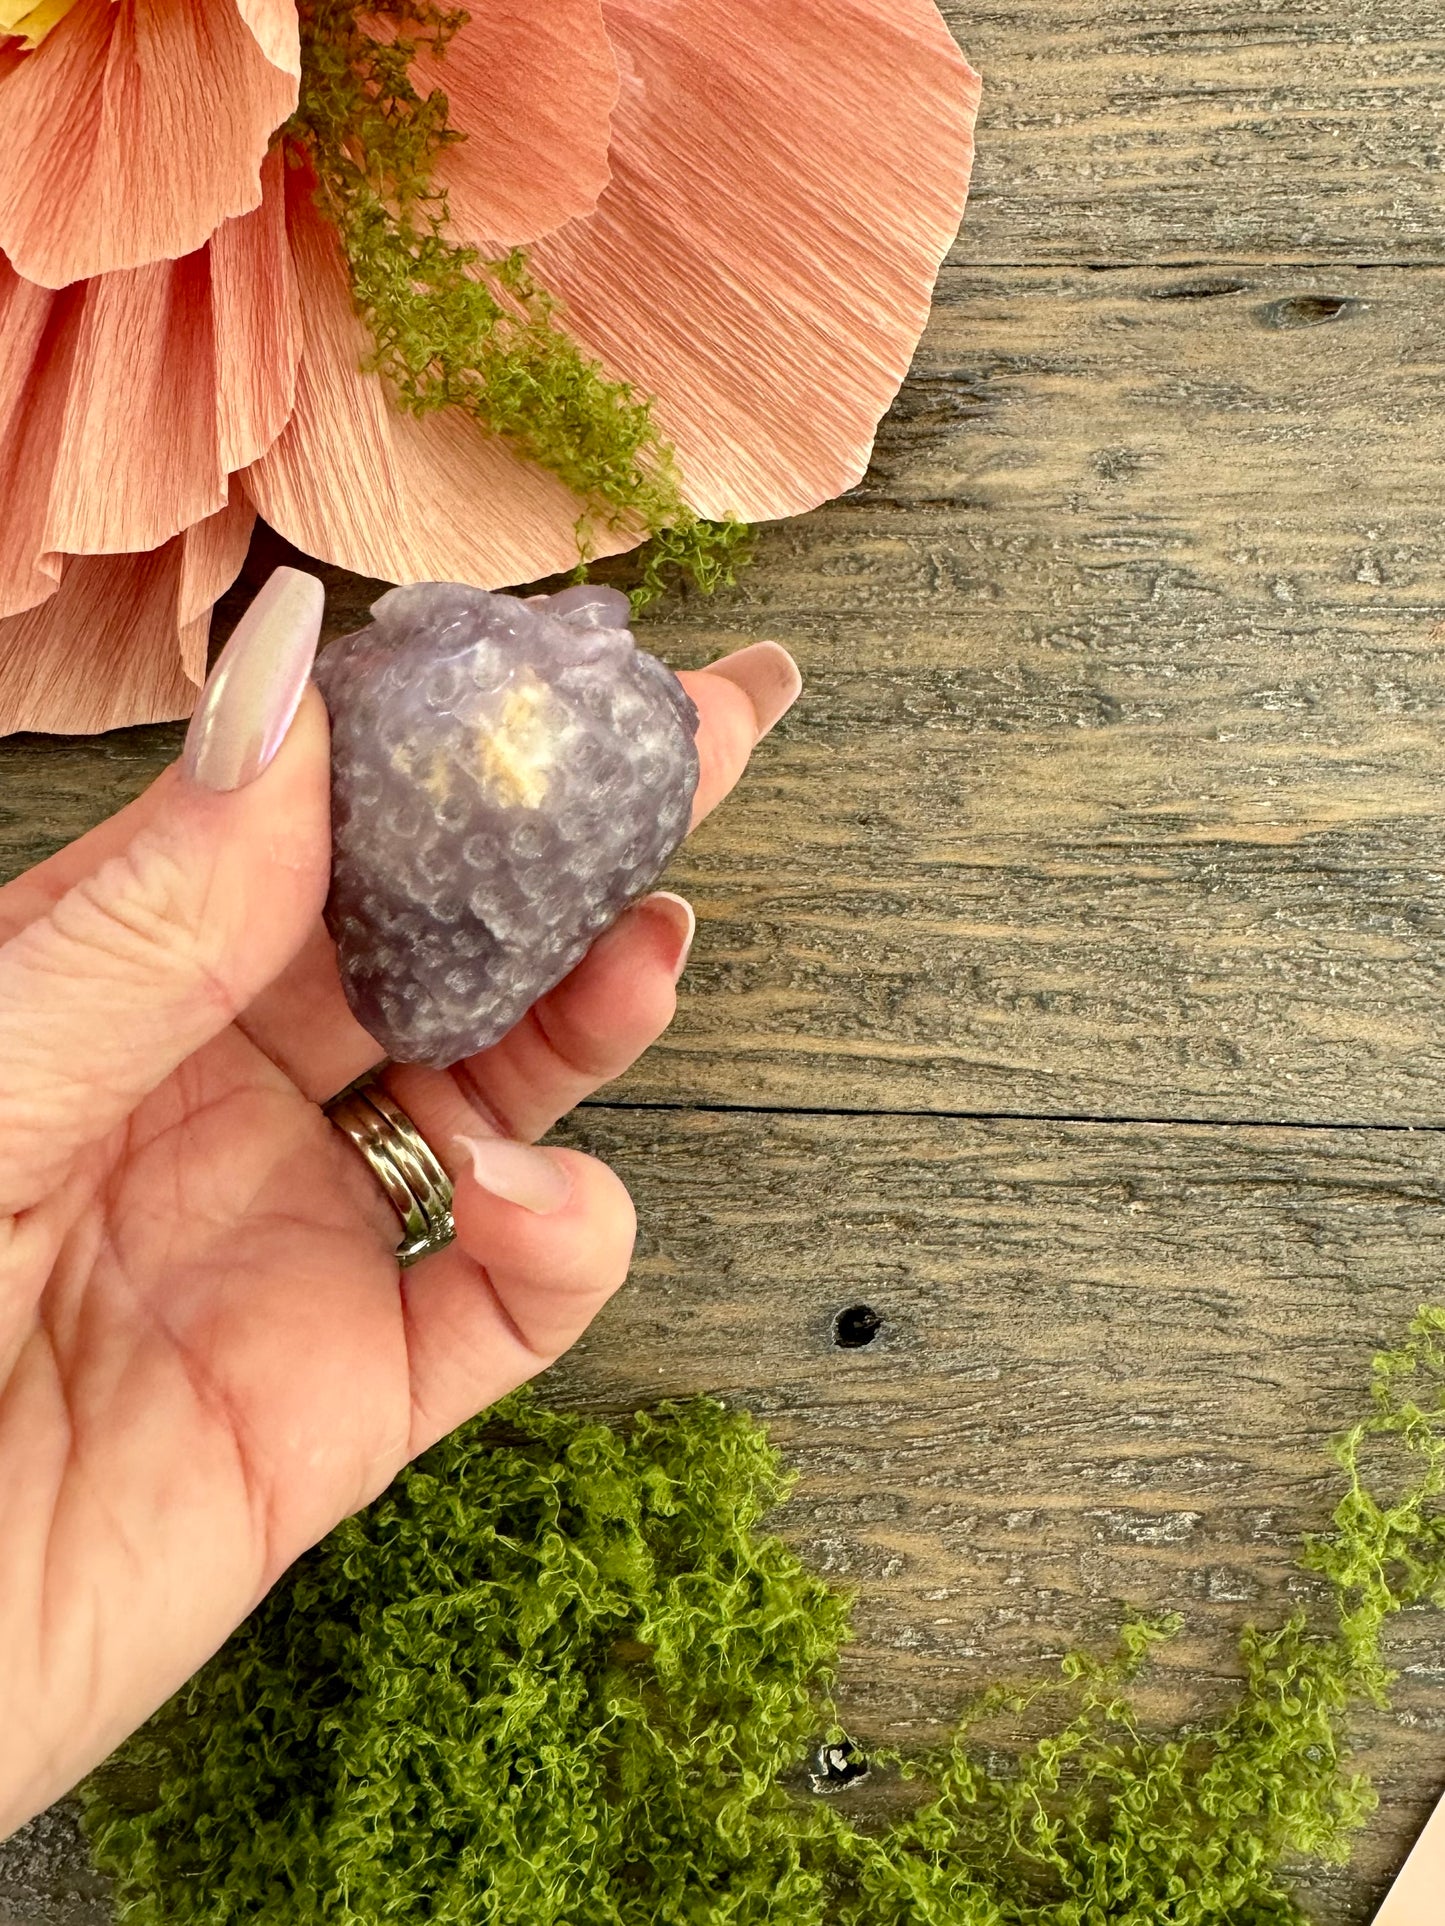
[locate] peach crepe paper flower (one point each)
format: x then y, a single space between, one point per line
742 205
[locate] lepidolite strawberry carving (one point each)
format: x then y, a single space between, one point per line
507 776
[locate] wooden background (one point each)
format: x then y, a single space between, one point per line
1068 981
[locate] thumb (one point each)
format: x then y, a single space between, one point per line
139 964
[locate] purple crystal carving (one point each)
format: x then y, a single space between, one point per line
507 776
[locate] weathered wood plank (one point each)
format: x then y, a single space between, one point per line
1116 787
46 1878
1109 1360
1129 130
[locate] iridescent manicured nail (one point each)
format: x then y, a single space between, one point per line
255 689
767 675
517 1173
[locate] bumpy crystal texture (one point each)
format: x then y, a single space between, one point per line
507 776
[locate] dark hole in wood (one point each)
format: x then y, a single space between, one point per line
1307 310
1199 291
837 1766
856 1326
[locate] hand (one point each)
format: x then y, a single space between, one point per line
208 1356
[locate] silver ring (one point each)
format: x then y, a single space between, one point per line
403 1163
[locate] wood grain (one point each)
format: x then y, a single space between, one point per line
1150 130
1115 787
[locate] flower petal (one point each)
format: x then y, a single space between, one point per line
212 552
127 402
787 176
131 133
276 31
32 424
257 320
101 653
123 638
533 89
355 480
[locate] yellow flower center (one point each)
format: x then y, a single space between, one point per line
30 20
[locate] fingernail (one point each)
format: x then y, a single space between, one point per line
255 689
767 675
677 913
517 1173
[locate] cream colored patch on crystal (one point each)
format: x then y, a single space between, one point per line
517 754
30 20
432 773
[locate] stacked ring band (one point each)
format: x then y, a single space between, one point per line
403 1164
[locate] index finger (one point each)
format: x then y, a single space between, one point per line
739 699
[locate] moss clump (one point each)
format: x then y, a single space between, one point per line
455 330
559 1675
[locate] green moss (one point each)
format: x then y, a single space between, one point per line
455 330
560 1674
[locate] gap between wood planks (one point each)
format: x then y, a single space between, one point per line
1006 1116
961 262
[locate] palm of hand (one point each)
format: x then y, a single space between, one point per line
216 1369
207 1357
